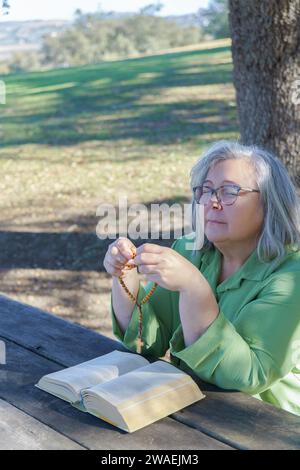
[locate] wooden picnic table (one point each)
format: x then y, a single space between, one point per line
38 343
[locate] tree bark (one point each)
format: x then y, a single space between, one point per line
266 56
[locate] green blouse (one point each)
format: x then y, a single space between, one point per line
254 343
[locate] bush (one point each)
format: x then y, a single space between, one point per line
214 19
92 39
24 61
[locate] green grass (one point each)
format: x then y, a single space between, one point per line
73 138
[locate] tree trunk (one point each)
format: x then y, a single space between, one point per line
266 56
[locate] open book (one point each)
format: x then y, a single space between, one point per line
124 389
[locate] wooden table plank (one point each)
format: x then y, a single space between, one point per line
18 431
231 417
51 336
244 424
24 368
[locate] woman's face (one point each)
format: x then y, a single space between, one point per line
242 221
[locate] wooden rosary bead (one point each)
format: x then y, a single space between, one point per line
140 342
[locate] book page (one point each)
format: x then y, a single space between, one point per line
137 382
96 371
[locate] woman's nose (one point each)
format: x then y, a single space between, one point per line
216 203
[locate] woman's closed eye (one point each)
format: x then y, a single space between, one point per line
226 188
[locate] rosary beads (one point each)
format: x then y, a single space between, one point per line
139 304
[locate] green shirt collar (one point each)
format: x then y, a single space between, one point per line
253 269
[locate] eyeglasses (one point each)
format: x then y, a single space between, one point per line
226 194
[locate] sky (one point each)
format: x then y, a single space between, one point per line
21 10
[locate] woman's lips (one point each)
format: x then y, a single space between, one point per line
215 222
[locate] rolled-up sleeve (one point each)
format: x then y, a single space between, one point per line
254 351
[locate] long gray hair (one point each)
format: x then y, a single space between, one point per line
279 198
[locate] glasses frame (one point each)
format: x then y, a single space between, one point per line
216 192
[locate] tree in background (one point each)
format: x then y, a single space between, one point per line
96 37
214 19
266 55
151 9
20 62
5 6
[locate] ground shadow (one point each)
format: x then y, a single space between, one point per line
109 101
79 250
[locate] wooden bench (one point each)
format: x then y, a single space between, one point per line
38 343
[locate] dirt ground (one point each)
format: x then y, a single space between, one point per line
60 270
75 138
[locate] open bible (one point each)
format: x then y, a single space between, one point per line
124 389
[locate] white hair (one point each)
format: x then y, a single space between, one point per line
279 198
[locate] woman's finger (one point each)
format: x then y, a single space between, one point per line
147 258
115 254
113 270
114 262
148 269
150 248
126 248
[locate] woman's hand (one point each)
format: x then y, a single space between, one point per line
166 267
118 255
198 307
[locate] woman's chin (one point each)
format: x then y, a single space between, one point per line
214 237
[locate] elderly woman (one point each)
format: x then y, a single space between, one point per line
229 311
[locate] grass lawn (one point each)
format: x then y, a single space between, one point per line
74 138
